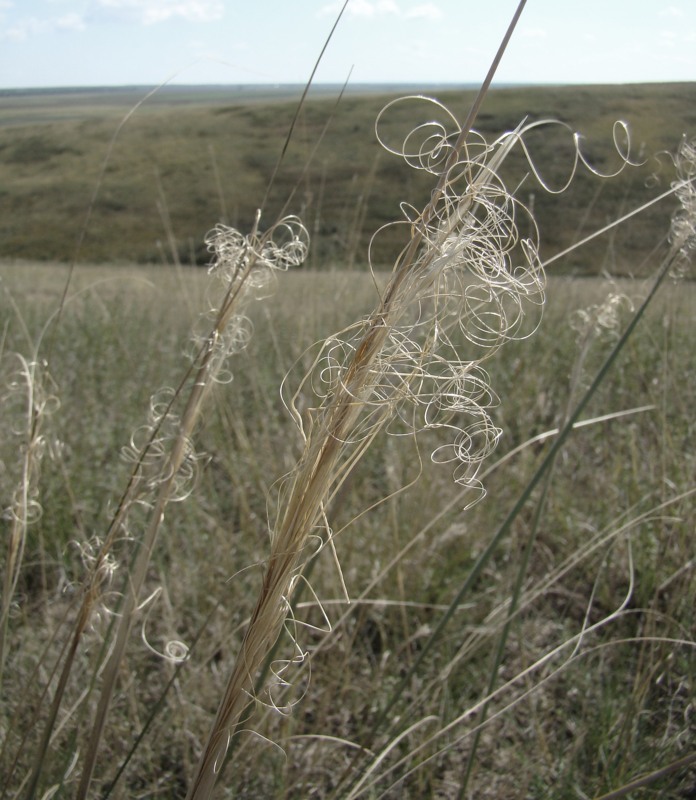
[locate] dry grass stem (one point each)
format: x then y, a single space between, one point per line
464 271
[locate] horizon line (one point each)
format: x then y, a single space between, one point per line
323 84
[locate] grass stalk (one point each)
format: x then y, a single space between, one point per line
333 426
209 364
653 777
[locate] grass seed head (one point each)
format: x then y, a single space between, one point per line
683 229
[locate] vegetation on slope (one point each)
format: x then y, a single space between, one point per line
176 168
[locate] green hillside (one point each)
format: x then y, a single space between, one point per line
186 160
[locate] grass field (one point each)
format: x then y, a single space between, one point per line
536 644
615 538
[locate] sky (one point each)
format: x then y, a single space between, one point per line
49 43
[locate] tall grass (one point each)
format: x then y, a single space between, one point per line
538 643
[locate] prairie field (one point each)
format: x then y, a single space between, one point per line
188 158
522 629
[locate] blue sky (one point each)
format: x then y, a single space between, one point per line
126 42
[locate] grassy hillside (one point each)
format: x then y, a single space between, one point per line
187 159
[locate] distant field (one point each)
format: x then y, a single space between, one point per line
192 156
24 106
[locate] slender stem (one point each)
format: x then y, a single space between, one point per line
541 470
137 577
653 777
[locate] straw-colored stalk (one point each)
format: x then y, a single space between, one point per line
28 386
456 272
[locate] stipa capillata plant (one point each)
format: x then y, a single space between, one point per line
164 461
242 265
462 286
28 396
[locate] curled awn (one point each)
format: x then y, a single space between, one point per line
461 287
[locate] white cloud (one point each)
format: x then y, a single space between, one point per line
368 9
23 29
361 8
71 22
147 12
672 11
150 12
424 11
